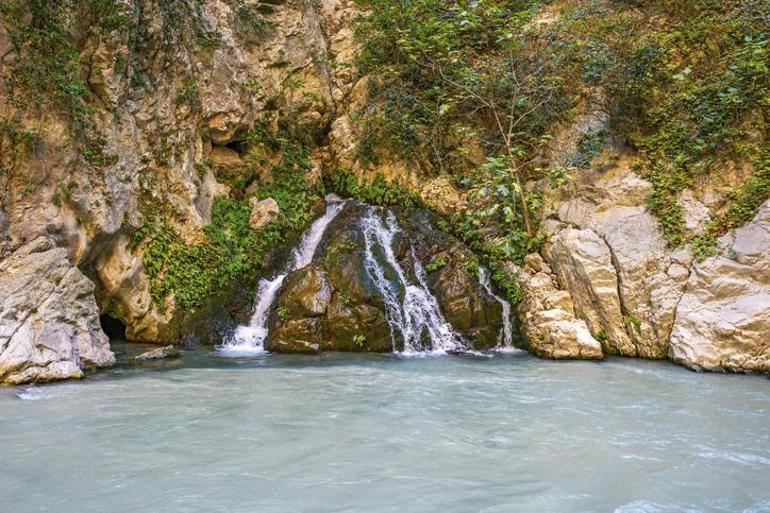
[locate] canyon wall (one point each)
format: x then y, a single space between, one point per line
177 95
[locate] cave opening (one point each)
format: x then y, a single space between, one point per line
114 328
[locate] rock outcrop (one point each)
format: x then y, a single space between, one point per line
723 319
263 212
547 318
49 321
335 305
638 296
172 105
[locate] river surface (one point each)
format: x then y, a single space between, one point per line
370 434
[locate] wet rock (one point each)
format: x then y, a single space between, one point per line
49 321
723 319
464 303
300 336
159 353
306 293
263 212
452 277
334 304
356 327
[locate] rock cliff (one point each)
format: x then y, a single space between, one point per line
164 153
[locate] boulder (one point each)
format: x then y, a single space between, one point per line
548 323
263 212
49 321
583 264
723 319
300 336
306 293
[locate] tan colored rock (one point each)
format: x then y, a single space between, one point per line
641 260
548 323
301 336
723 319
125 292
696 214
49 321
263 212
225 158
306 293
583 264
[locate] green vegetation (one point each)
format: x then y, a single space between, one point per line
634 322
745 204
283 313
684 85
436 265
359 340
601 336
232 249
46 74
379 192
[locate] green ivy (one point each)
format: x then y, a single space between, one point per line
379 192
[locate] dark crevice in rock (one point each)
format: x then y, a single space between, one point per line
114 328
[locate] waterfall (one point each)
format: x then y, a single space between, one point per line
418 312
506 333
250 339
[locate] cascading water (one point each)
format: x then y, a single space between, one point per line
417 313
506 338
250 339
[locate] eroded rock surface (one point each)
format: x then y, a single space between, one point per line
723 319
49 321
547 318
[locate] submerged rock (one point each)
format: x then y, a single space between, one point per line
158 354
49 321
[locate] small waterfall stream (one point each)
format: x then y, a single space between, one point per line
417 313
412 311
250 339
507 329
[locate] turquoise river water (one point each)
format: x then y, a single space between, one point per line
376 434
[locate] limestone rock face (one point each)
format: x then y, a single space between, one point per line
650 277
49 321
723 319
607 251
263 212
547 318
173 113
583 264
